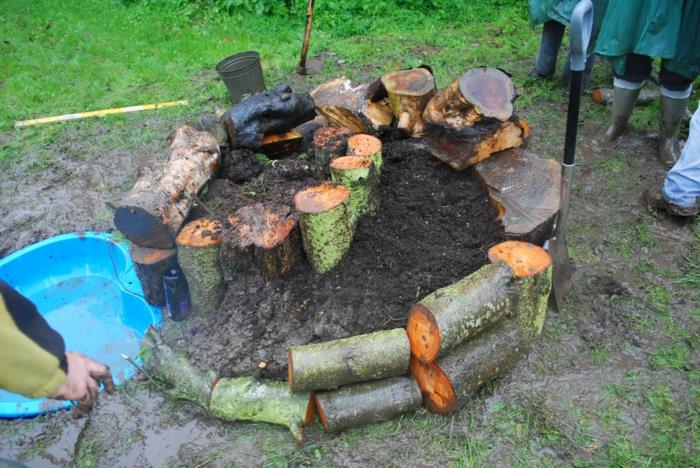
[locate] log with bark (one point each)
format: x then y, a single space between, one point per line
326 223
348 105
150 266
260 239
198 247
153 211
267 113
329 142
409 92
367 402
331 364
359 174
368 146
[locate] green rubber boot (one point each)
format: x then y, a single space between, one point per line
672 113
623 105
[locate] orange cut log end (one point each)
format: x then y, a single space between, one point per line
331 138
524 259
438 394
310 409
290 369
364 145
322 415
526 128
413 82
262 226
321 198
148 256
200 233
597 96
423 333
351 162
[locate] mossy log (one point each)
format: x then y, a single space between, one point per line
153 211
326 223
368 146
260 239
409 92
451 381
331 364
150 266
460 311
329 142
359 174
199 244
250 399
367 402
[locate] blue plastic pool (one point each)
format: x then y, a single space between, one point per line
85 285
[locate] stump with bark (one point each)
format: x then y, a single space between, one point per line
331 364
260 239
326 222
359 174
329 142
409 92
199 244
367 402
153 211
368 146
150 266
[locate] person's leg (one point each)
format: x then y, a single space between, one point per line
626 91
552 34
675 91
682 184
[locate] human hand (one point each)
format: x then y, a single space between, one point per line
83 382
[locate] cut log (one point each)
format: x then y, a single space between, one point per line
198 247
523 258
329 142
150 266
359 174
368 146
347 105
409 92
267 113
367 402
249 399
331 364
281 143
460 311
326 222
449 383
490 91
260 239
153 211
527 188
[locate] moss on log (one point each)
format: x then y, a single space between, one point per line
359 174
329 142
331 364
368 146
150 266
367 402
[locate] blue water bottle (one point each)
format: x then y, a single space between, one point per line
177 294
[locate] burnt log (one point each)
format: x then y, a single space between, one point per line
150 266
240 165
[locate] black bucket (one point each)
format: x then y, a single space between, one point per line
242 74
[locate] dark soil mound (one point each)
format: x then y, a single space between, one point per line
432 228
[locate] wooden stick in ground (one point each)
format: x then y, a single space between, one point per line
367 402
198 247
368 146
307 37
359 174
150 266
409 92
250 399
153 211
260 239
329 142
326 222
331 364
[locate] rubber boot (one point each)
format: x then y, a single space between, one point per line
672 113
623 105
552 34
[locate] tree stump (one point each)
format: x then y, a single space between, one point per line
199 244
150 266
367 402
331 364
260 239
359 174
368 146
326 222
409 92
153 211
329 142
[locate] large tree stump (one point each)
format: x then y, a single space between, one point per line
368 146
347 105
267 113
198 247
367 402
150 266
262 239
331 364
329 142
326 222
153 211
409 92
359 174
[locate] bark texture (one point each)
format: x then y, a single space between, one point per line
359 174
150 266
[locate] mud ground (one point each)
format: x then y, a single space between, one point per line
612 381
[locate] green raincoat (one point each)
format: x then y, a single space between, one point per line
668 29
542 11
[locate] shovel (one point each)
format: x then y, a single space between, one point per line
580 35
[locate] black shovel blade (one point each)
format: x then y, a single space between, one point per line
561 271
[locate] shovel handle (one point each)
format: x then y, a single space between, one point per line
580 33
